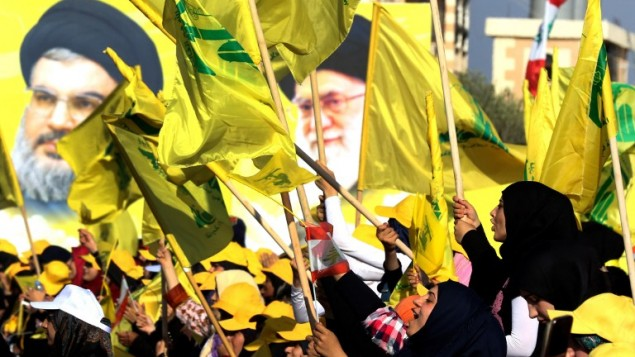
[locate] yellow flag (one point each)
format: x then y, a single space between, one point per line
323 25
235 116
120 232
10 193
528 101
431 244
485 159
394 153
539 128
195 215
605 209
103 186
274 177
579 145
221 109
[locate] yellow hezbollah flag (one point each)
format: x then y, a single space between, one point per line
195 215
103 186
10 194
323 26
579 145
605 209
274 177
431 239
394 153
539 128
528 101
235 115
485 159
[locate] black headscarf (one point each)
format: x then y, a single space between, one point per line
534 213
460 325
76 338
88 27
563 273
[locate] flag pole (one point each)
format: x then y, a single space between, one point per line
286 201
621 203
190 277
220 173
447 99
317 116
347 196
19 202
36 263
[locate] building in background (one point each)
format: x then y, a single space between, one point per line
512 39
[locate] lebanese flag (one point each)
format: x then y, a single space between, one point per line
324 255
122 302
538 53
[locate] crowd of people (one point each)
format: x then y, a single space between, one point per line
86 301
548 267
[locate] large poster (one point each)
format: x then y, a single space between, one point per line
16 20
49 216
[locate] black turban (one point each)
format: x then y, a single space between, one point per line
350 58
87 27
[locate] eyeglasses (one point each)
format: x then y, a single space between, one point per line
79 107
334 103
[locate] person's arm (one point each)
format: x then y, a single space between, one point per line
345 241
194 317
488 271
392 266
522 340
299 307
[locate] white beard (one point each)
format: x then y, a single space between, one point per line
42 180
342 159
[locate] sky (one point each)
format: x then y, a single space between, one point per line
620 12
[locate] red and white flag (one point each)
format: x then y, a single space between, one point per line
538 53
325 257
122 302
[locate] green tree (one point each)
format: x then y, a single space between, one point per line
505 111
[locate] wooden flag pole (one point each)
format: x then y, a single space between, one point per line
447 99
190 277
347 196
36 263
621 203
286 201
317 116
219 172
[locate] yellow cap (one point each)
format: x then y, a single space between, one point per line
38 245
242 301
608 315
232 253
254 266
55 275
270 331
8 247
206 280
89 258
124 260
402 212
614 350
277 309
282 269
13 269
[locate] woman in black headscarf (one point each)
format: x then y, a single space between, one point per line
561 276
529 213
451 320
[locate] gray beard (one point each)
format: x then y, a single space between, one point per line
40 180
